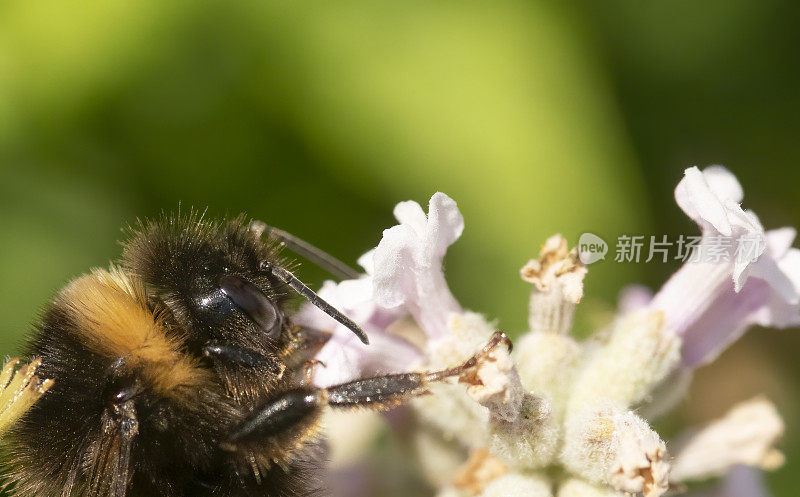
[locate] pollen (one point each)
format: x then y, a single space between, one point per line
19 391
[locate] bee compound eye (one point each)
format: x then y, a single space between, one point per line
252 302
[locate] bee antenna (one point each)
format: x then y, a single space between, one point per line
304 249
309 294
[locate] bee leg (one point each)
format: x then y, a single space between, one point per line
303 345
278 416
384 392
309 339
226 355
308 370
304 404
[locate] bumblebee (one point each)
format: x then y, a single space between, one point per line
178 371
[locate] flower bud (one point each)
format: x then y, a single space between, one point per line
614 446
557 277
519 485
547 363
636 358
575 487
531 440
746 435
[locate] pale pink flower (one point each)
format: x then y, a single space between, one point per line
738 276
403 275
344 357
408 263
633 297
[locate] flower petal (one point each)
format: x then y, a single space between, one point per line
778 265
698 200
634 297
780 240
780 313
445 224
367 261
352 359
411 214
769 298
723 183
745 435
723 322
344 357
408 263
749 244
710 302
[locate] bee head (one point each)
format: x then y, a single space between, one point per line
209 276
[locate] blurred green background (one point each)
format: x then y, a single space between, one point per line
536 117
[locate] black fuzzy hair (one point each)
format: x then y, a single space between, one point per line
180 258
173 250
69 443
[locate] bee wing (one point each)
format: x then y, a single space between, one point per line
111 456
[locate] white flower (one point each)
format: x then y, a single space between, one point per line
493 394
637 357
613 446
408 263
756 303
557 277
529 441
547 364
557 405
497 386
745 435
738 272
344 357
403 275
